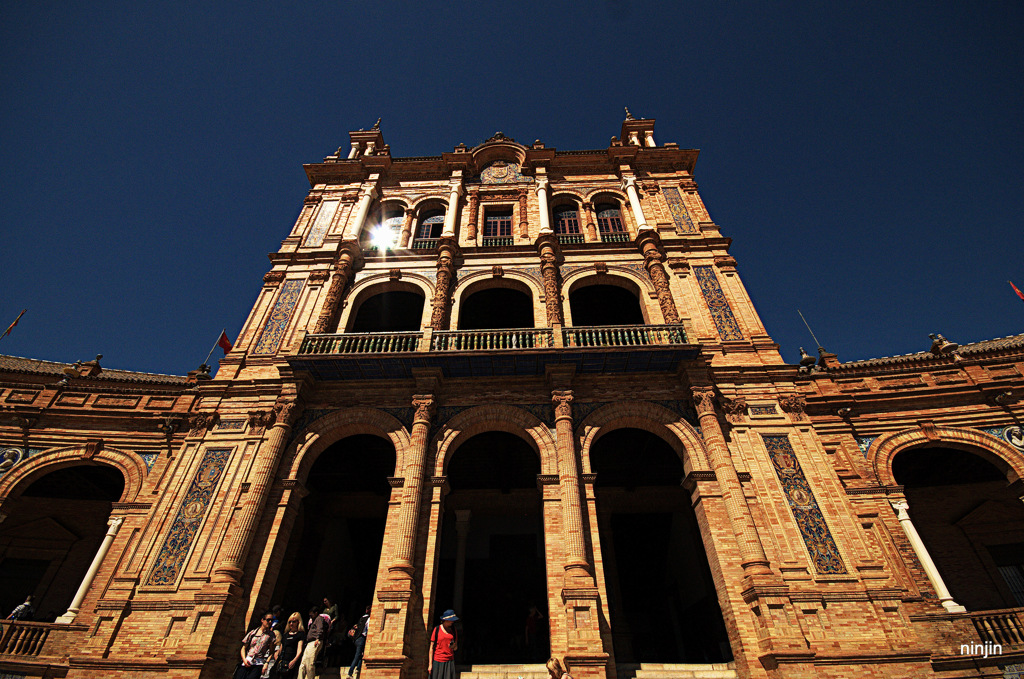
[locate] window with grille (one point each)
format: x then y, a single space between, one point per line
609 219
498 224
431 226
567 220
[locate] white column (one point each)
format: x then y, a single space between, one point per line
945 598
362 210
649 138
629 186
462 531
355 150
452 213
114 524
542 198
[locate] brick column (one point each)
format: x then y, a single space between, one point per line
236 549
524 222
591 226
403 239
752 554
474 213
412 496
547 247
576 566
442 303
648 242
344 266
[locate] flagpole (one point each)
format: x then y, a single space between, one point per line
11 326
213 349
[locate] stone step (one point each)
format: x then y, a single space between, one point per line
678 671
503 672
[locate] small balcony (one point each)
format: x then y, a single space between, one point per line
511 351
39 648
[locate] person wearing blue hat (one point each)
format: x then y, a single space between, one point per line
444 641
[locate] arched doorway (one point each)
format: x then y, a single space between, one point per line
601 304
971 522
491 567
662 599
495 308
389 311
51 534
335 545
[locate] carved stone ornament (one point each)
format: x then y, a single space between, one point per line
273 277
260 419
285 411
650 188
199 423
734 409
319 277
311 199
704 400
497 271
562 401
424 405
794 404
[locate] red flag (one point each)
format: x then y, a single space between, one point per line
223 342
1015 289
11 326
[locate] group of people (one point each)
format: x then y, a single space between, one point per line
289 649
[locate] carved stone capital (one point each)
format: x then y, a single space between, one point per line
200 423
260 419
704 400
425 406
286 410
794 404
562 400
273 278
319 277
734 409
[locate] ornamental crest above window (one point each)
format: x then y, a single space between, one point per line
502 172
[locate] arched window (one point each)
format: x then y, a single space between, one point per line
429 230
385 233
567 224
609 223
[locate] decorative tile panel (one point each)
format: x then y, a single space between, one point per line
231 425
190 516
680 216
149 459
864 442
718 305
273 331
1012 434
315 237
307 417
12 456
763 410
822 548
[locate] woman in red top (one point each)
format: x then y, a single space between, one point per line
444 641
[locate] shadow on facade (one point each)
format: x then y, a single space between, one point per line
491 566
971 522
662 599
51 535
392 311
335 546
605 305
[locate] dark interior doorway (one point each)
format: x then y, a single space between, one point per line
51 535
335 545
605 305
970 521
662 598
395 311
496 308
495 504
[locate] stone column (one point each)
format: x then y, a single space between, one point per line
591 225
547 247
542 198
354 151
113 525
403 239
648 242
446 251
576 565
366 196
269 454
649 138
474 214
451 215
343 269
412 491
462 532
945 598
752 555
629 186
524 222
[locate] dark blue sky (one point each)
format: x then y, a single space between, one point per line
866 160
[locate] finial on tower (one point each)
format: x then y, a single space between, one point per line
376 125
629 116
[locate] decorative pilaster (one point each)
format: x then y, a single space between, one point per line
113 525
451 215
629 186
403 239
286 410
752 555
945 598
446 252
547 247
577 568
344 267
542 199
366 195
649 244
524 223
591 226
402 565
474 214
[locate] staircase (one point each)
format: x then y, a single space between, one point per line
503 672
677 671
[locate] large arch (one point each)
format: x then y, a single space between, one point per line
131 466
619 277
481 284
382 284
510 419
1000 453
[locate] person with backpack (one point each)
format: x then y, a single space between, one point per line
358 634
444 641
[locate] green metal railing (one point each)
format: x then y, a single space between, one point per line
491 242
471 340
361 343
615 237
623 335
425 243
570 238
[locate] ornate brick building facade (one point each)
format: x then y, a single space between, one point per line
505 379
